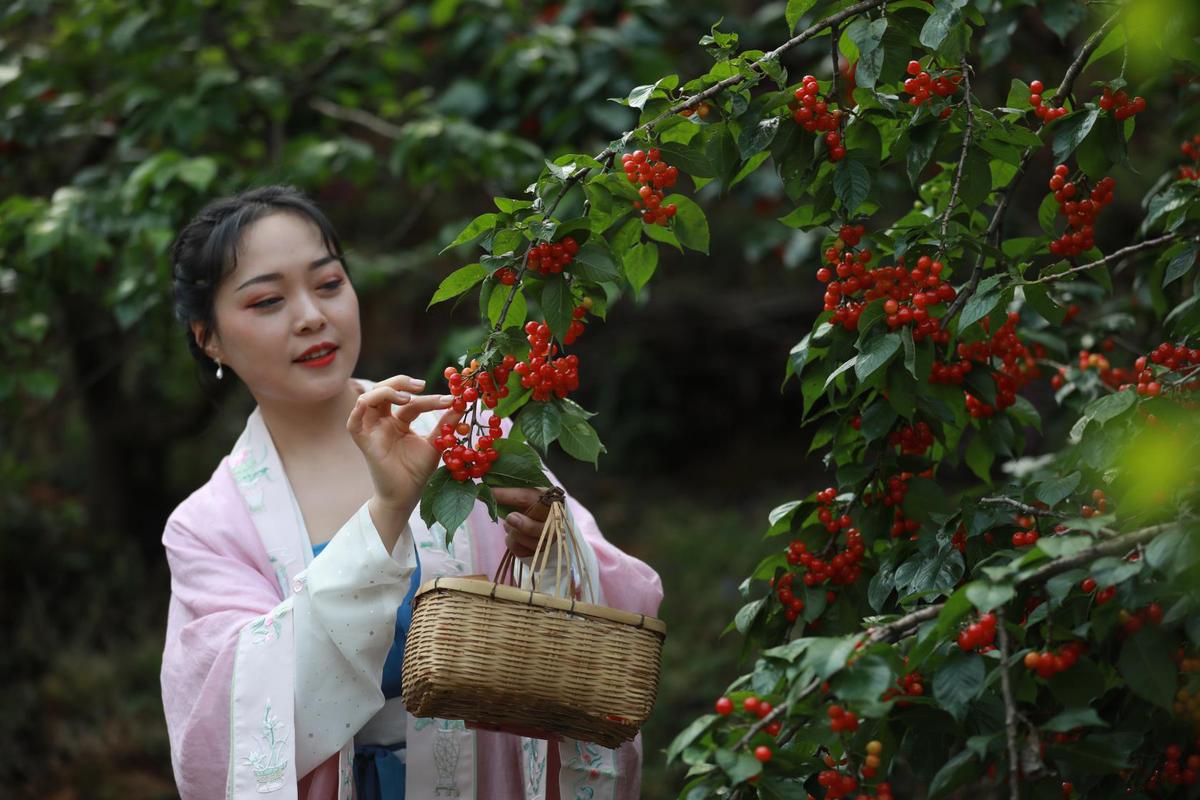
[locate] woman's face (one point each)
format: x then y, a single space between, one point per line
287 296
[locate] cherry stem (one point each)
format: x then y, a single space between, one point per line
1010 710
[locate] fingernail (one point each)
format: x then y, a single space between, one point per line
404 397
447 398
513 518
420 384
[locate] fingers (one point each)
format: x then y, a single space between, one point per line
416 405
404 383
522 533
523 499
374 404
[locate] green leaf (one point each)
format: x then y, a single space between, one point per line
957 772
1104 408
986 595
923 140
980 304
458 282
1180 264
477 226
1174 552
976 182
431 491
640 262
1054 490
517 466
1071 131
1145 664
877 420
594 262
1039 298
541 423
746 615
738 766
688 158
516 311
1073 718
958 681
826 655
868 37
197 172
863 681
946 14
795 10
453 503
691 227
851 184
579 439
557 304
1090 756
689 734
980 456
875 354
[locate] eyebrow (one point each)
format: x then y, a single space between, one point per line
275 276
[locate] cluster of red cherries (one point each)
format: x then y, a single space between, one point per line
474 384
1088 586
1047 664
792 605
1113 377
1080 211
1120 103
654 175
1176 770
979 635
543 373
551 258
910 685
461 459
577 326
754 706
1134 621
844 567
1191 149
812 113
1028 534
1175 358
1018 366
893 497
913 440
1046 114
907 294
923 86
1101 507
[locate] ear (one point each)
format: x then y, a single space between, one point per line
213 348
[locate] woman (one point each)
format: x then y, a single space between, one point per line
293 568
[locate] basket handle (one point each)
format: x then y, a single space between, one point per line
557 533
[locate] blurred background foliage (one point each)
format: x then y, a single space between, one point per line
119 120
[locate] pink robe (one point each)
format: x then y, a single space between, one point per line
231 565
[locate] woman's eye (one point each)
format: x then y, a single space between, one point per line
270 301
333 284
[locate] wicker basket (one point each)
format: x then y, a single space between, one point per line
529 662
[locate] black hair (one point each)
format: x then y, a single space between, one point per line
206 251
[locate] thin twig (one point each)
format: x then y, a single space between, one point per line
1022 507
609 153
1010 710
359 117
834 90
1118 545
1124 251
1186 376
962 160
776 712
1005 195
1089 47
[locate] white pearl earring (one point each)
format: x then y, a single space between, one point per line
220 370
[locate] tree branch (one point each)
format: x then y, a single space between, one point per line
359 117
1022 507
1010 710
1124 251
1089 47
997 221
962 160
776 712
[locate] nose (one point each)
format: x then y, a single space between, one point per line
309 316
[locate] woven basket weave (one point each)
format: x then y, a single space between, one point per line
535 663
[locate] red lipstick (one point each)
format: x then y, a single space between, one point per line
319 355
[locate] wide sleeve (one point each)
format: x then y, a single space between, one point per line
345 624
237 654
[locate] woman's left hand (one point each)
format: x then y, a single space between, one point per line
522 529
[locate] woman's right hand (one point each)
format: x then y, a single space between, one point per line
400 459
